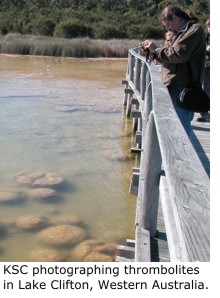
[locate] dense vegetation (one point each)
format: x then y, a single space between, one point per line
15 43
98 19
84 28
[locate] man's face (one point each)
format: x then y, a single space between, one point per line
173 25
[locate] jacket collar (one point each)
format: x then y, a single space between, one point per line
186 26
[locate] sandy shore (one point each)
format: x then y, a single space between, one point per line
61 57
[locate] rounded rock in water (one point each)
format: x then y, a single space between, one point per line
8 196
31 222
66 220
39 179
63 235
28 178
98 257
48 180
42 193
47 255
117 155
94 251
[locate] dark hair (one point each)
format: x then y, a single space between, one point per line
172 10
192 16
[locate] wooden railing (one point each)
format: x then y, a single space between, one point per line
170 169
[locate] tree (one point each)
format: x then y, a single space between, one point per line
72 29
44 26
137 5
105 17
108 31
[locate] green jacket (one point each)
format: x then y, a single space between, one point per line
183 62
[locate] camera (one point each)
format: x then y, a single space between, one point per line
141 45
149 56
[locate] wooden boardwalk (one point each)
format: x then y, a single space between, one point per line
172 183
201 142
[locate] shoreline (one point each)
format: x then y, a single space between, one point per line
62 57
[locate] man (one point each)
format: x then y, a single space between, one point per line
183 61
206 83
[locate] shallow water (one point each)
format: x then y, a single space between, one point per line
64 116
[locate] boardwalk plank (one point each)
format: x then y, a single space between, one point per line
201 143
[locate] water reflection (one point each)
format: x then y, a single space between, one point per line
63 117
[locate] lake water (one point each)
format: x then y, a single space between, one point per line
64 116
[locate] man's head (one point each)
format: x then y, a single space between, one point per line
173 17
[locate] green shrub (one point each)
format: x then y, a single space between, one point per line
108 31
135 31
149 31
43 26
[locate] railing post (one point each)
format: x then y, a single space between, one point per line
137 74
148 96
143 81
131 67
148 195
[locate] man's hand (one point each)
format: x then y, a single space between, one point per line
149 44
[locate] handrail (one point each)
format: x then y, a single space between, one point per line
169 168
